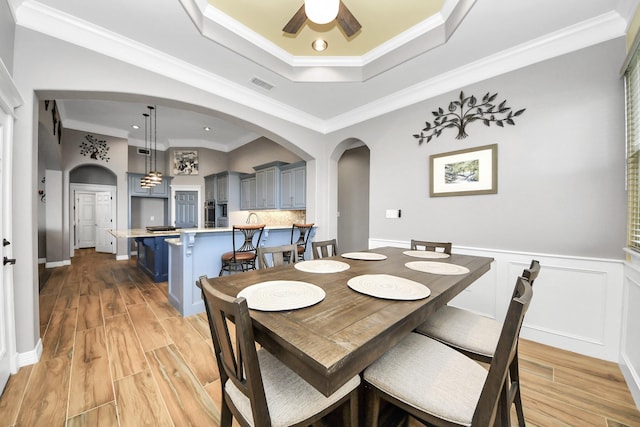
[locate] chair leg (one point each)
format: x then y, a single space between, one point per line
226 417
353 408
373 408
514 390
503 416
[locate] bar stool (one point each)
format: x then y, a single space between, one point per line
304 231
244 257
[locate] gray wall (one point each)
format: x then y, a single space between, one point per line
259 152
353 200
561 168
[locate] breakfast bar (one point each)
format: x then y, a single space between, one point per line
197 252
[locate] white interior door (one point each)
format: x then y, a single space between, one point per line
104 223
86 224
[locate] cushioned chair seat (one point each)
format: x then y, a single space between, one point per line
240 256
428 375
290 399
463 329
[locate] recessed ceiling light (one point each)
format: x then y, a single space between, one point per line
319 45
207 128
135 126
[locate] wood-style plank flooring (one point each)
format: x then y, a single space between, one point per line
116 353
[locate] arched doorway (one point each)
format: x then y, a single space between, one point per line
353 198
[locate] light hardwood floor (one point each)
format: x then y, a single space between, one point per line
116 353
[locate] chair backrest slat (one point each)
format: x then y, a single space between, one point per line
431 246
321 249
279 255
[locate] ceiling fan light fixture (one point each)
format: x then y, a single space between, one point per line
319 45
321 11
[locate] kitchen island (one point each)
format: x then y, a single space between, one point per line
152 250
197 252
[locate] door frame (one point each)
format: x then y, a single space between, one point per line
10 99
90 188
172 202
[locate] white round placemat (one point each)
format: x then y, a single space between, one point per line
426 254
437 267
322 266
388 287
282 295
367 256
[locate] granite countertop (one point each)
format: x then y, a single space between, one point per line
141 232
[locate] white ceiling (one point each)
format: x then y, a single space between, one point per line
495 36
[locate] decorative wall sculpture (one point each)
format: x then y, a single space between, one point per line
466 110
94 148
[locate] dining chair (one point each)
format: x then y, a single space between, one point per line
257 389
441 386
279 255
242 258
431 246
303 233
477 337
325 248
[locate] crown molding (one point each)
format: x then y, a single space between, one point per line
10 98
588 33
46 20
41 18
223 29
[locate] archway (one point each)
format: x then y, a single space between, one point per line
353 196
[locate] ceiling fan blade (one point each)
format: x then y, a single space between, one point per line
347 21
296 22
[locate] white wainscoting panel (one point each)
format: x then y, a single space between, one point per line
577 302
630 347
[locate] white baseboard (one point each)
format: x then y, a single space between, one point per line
55 264
632 377
30 357
122 257
42 260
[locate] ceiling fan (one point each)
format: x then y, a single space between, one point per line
344 17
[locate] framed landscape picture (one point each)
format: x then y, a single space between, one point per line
185 162
465 172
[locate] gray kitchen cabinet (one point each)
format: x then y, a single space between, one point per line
135 187
248 192
267 186
210 187
293 186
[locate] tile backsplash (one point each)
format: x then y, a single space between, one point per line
270 218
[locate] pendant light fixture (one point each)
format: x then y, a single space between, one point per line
155 176
321 11
144 181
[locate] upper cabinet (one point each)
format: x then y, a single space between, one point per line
135 187
267 185
222 187
248 192
293 186
210 187
275 185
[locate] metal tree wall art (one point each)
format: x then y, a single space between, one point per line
94 148
467 110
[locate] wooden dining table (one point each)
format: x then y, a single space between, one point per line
337 338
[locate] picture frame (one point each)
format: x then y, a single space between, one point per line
465 172
185 162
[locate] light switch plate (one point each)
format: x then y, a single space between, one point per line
393 213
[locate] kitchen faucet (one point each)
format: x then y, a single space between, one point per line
254 215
